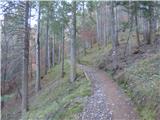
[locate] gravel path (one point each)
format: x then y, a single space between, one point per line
108 101
96 108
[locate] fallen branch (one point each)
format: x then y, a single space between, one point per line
85 73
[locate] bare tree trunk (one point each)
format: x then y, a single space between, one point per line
84 42
1 84
53 51
101 13
73 46
49 55
37 85
145 29
30 55
49 58
136 21
91 41
47 46
108 24
116 26
59 53
100 25
105 25
25 63
5 60
97 25
62 73
151 24
130 16
114 49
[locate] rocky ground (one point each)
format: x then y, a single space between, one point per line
96 107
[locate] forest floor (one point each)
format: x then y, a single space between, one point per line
108 102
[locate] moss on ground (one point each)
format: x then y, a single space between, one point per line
93 55
61 100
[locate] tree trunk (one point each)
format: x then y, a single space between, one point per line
59 53
47 46
49 58
5 62
3 82
84 41
136 21
151 24
150 27
105 25
37 85
145 30
116 26
130 16
25 63
114 49
62 73
73 46
53 51
30 57
97 25
101 13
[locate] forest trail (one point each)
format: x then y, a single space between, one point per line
118 105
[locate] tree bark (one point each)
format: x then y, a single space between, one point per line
129 41
104 25
53 51
116 26
73 46
151 24
5 62
37 85
136 21
97 25
114 49
25 62
59 53
47 60
2 102
145 30
62 73
101 17
84 41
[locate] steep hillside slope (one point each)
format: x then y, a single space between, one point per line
138 75
60 100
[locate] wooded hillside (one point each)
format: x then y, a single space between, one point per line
54 52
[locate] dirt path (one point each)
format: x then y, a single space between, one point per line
117 103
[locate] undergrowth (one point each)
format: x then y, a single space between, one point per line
92 56
61 100
141 82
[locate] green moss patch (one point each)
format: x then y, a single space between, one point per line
61 100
